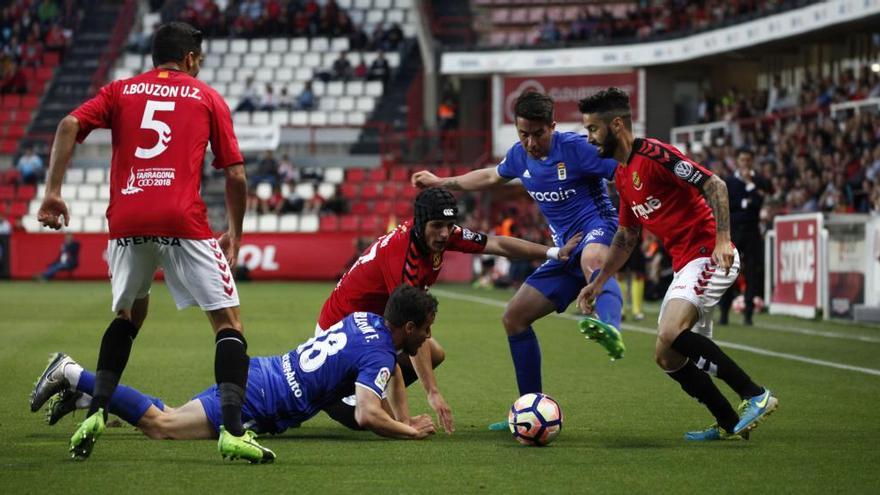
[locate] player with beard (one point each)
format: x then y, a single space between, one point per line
685 205
565 176
358 354
412 254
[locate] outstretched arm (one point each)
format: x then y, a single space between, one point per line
625 240
512 247
370 415
715 192
471 181
424 368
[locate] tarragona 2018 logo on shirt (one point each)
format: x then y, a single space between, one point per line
148 177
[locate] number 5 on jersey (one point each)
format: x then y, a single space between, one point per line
150 122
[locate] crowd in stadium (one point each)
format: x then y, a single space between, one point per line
28 29
564 23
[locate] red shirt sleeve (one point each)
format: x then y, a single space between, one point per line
96 113
465 240
224 144
685 169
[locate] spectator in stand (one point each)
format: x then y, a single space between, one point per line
269 102
250 99
267 169
548 31
338 205
360 70
30 166
342 69
379 70
306 98
343 26
392 38
13 80
57 38
288 173
67 260
285 100
47 11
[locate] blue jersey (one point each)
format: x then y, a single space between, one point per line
283 391
569 185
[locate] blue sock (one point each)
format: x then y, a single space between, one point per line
609 302
126 402
526 354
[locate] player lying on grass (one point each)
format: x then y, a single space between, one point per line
412 254
357 355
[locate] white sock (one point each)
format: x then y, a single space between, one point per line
84 402
72 372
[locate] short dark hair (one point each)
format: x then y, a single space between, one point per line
532 105
608 103
745 150
408 303
173 41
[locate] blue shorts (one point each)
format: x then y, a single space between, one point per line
562 281
258 412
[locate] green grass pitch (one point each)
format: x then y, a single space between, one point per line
623 421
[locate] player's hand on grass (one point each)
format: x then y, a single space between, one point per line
230 246
723 256
423 424
424 179
587 298
51 211
569 246
444 413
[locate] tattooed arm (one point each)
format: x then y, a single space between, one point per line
625 240
472 181
715 192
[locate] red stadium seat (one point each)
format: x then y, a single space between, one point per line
7 193
15 131
8 146
356 175
400 174
329 223
18 209
360 208
349 190
371 225
382 208
29 102
51 59
349 223
409 193
10 102
25 192
45 73
462 169
403 210
392 190
370 191
377 175
443 171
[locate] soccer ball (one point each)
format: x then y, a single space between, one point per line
535 419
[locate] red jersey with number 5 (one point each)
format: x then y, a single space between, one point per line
391 260
660 188
161 122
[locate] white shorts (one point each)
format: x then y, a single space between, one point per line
196 271
701 284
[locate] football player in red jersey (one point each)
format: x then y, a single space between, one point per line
413 254
161 122
685 205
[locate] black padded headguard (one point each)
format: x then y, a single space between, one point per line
432 204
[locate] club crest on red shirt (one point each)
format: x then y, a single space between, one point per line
637 181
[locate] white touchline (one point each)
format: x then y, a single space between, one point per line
633 328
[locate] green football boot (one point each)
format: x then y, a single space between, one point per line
244 447
82 442
604 334
500 426
713 433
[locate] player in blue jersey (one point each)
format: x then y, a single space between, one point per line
357 355
564 174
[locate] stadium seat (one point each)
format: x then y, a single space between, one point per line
299 45
25 192
349 190
400 174
392 190
75 175
329 223
356 175
298 118
402 209
7 193
288 223
279 45
99 208
87 191
31 224
359 208
326 190
18 209
382 207
267 223
305 190
79 208
371 225
249 224
370 191
377 175
75 224
349 223
8 146
93 224
334 175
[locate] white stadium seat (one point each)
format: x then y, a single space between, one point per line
235 90
272 60
304 74
34 206
366 104
104 193
395 16
318 118
87 192
312 60
382 4
259 46
79 208
327 104
325 189
345 104
320 45
393 59
319 88
279 45
260 118
252 61
267 223
344 4
264 75
95 176
31 224
75 175
284 74
133 61
249 224
232 61
336 118
373 88
238 46
300 45
93 224
241 118
308 223
375 17
122 73
356 118
305 190
291 60
75 224
219 46
333 175
362 4
99 208
279 117
288 223
335 88
207 74
354 88
225 75
299 118
339 45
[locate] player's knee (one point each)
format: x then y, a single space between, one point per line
514 323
